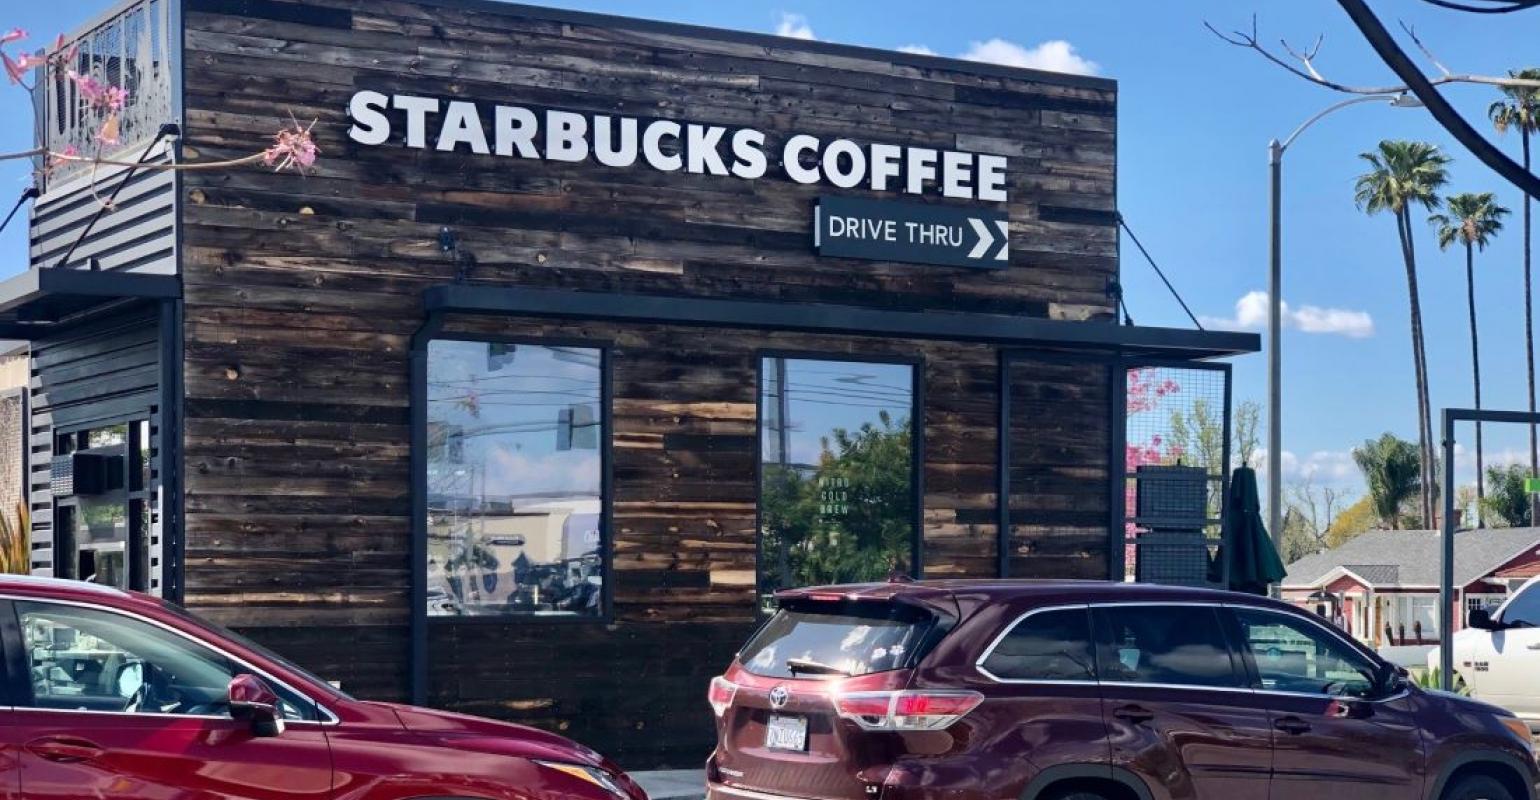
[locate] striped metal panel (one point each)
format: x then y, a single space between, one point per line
137 234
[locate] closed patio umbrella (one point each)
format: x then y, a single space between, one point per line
1253 561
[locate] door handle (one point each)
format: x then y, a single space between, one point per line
1291 725
1134 714
64 749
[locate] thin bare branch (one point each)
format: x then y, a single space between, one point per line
1311 74
1428 54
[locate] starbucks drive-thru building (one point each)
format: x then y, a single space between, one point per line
584 335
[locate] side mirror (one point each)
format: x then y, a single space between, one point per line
1481 619
254 701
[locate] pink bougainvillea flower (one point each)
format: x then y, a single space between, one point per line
292 147
17 68
12 35
98 94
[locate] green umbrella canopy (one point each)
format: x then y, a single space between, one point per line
1254 562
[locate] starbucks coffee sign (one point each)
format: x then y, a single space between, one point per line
667 145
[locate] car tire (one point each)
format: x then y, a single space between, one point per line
1478 787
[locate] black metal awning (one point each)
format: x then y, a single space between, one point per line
1005 330
40 301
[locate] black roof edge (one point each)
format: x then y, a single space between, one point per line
771 40
28 300
838 319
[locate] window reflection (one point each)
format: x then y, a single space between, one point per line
837 478
515 451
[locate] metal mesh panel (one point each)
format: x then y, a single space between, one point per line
130 50
1176 460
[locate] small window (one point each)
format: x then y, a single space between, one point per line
1294 655
1170 645
1523 611
83 659
1046 646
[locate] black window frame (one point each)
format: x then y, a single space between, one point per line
137 492
916 364
1240 673
419 524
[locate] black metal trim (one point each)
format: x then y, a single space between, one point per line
417 676
172 511
822 318
916 366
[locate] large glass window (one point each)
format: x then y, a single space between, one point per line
515 479
1293 655
1169 645
837 482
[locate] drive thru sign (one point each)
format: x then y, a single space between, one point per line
919 233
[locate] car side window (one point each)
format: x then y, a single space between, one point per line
1293 655
1523 611
86 659
1171 645
1045 646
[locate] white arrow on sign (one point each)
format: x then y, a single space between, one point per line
987 239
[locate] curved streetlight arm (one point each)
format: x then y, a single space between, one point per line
1279 147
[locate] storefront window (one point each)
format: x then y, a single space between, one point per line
837 479
515 480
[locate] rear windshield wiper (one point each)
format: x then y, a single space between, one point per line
811 667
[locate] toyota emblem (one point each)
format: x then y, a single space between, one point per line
778 697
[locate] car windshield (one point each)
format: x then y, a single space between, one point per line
1523 611
837 639
221 631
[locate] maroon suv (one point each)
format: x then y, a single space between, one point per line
1088 691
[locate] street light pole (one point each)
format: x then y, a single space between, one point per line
1275 151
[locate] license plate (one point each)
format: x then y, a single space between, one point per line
786 733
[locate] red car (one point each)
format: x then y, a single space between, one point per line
120 695
981 690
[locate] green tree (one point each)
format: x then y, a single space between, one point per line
1401 175
1247 415
1507 505
1353 520
1473 220
850 519
1519 109
1392 470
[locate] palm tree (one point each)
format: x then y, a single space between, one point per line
1401 175
1520 109
1392 469
1473 220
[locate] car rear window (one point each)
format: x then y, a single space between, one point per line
838 639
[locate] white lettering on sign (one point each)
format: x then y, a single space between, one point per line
671 146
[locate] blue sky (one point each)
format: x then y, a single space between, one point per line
1195 118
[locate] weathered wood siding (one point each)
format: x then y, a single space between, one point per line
302 293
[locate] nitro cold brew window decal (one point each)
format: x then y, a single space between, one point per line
515 478
836 494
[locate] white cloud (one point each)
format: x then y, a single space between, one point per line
1251 314
1055 55
917 49
794 26
1323 467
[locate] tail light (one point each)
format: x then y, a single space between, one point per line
906 711
721 694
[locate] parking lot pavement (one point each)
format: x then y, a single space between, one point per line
673 784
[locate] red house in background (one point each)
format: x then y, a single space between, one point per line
1382 586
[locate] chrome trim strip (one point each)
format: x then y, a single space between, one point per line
751 794
331 719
